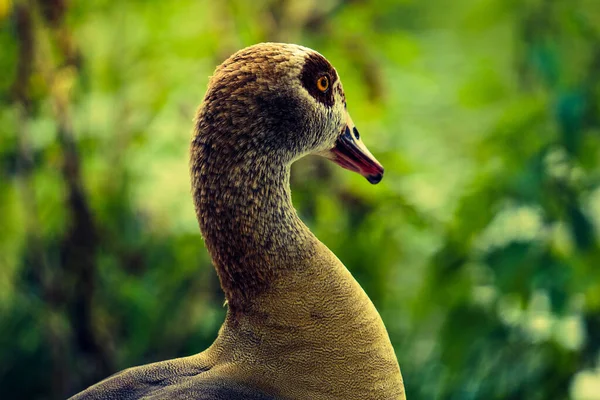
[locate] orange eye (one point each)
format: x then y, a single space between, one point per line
323 83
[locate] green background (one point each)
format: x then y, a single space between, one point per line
480 247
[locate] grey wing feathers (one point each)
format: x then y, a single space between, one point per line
200 391
168 381
205 391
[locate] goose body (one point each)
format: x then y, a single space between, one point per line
298 325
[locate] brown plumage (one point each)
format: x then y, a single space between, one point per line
299 326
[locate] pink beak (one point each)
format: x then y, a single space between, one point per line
350 152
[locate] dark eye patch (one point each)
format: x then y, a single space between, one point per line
315 66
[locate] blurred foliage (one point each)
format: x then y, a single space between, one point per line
480 247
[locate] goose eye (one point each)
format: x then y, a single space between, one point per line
323 83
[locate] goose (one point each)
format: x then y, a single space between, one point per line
298 325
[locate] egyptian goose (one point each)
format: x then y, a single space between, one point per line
298 324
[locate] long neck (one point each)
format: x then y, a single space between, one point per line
244 207
291 301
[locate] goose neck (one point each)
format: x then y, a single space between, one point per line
248 222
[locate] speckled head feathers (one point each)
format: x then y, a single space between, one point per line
265 100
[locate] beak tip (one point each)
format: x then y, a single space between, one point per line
374 179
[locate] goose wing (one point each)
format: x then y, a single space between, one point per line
173 379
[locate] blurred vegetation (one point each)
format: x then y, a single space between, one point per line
480 247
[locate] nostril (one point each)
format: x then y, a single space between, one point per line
356 134
347 132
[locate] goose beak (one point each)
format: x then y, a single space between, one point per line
350 152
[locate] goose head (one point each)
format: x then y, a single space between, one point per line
275 103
